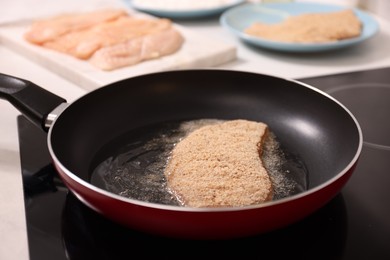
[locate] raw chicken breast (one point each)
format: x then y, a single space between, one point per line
51 28
82 44
136 50
113 38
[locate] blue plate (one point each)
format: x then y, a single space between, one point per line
185 13
237 19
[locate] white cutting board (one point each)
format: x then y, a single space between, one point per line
198 51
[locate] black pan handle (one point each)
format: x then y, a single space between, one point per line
34 102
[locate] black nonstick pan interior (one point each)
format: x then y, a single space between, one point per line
307 122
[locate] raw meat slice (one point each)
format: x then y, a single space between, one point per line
136 50
82 44
49 29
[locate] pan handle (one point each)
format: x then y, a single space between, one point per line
34 102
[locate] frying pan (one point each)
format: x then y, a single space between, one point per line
307 122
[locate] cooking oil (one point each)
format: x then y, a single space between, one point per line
135 169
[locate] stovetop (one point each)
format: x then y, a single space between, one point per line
354 225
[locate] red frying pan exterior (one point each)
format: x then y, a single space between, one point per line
211 224
320 129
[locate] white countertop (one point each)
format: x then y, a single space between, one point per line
13 242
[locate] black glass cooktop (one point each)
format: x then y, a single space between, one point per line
354 225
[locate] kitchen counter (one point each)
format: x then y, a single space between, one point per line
370 54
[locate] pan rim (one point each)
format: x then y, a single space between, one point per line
288 199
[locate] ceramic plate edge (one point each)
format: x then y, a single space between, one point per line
366 19
185 13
